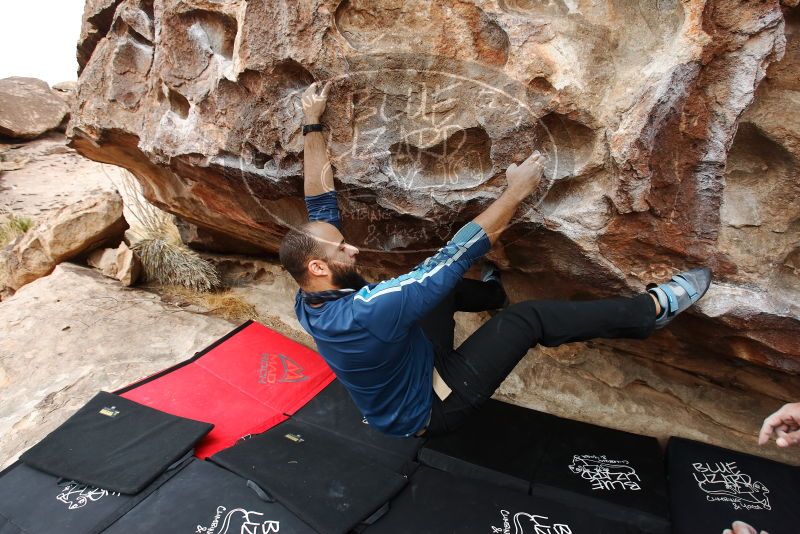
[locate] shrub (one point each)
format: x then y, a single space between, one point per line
165 259
13 228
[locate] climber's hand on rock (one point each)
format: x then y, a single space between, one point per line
784 424
314 101
523 179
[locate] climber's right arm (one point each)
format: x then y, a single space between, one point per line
318 186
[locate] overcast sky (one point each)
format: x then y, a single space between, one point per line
38 38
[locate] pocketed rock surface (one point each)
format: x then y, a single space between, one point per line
672 130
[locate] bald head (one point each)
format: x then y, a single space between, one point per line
324 232
308 251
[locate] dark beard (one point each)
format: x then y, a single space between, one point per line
346 277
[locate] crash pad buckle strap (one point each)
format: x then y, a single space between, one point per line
380 512
181 461
263 495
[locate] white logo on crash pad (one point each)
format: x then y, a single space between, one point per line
76 495
723 481
525 523
605 474
238 521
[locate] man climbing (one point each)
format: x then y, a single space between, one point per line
391 343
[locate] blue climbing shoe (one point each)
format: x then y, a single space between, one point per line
683 290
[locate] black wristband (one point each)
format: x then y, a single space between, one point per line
312 128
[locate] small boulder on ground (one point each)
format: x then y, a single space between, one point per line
66 88
68 91
120 263
65 234
29 108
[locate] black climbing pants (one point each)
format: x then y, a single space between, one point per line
479 365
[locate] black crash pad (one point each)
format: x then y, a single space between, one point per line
115 444
438 502
7 527
610 473
36 502
502 444
204 498
711 487
314 475
334 410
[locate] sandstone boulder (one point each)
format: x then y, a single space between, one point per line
62 235
67 88
74 332
671 130
120 263
29 108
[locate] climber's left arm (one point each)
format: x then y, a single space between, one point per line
318 186
390 308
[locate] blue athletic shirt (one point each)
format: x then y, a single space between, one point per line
371 339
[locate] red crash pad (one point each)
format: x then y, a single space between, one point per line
244 383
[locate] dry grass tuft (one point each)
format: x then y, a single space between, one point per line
233 307
165 259
13 228
170 263
225 304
